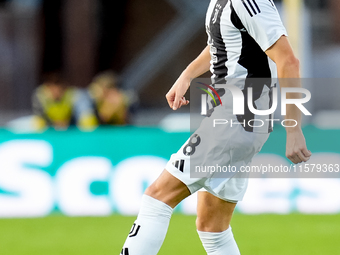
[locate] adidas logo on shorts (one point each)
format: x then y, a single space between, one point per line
179 164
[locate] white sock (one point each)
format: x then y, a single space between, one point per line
222 243
148 232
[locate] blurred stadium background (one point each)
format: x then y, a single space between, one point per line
72 170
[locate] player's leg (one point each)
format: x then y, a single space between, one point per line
149 230
168 189
213 225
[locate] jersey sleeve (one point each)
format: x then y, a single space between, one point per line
261 20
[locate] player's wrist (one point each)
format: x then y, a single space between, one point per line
294 130
188 74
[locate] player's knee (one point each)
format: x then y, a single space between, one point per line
205 224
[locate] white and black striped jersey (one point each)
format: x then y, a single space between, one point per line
239 33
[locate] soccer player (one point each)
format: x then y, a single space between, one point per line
246 39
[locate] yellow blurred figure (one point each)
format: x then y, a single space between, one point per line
60 106
111 103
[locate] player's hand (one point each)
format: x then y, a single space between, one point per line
296 148
175 96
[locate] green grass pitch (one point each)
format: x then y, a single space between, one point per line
257 234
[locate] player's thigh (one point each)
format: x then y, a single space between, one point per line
213 213
168 189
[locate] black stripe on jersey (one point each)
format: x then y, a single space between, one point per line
251 15
220 69
256 62
271 2
251 6
249 118
252 56
257 7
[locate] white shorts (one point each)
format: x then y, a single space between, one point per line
221 145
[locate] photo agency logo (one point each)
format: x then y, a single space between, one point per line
259 108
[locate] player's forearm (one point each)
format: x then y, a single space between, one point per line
289 75
199 66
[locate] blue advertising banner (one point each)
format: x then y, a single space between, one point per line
106 171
